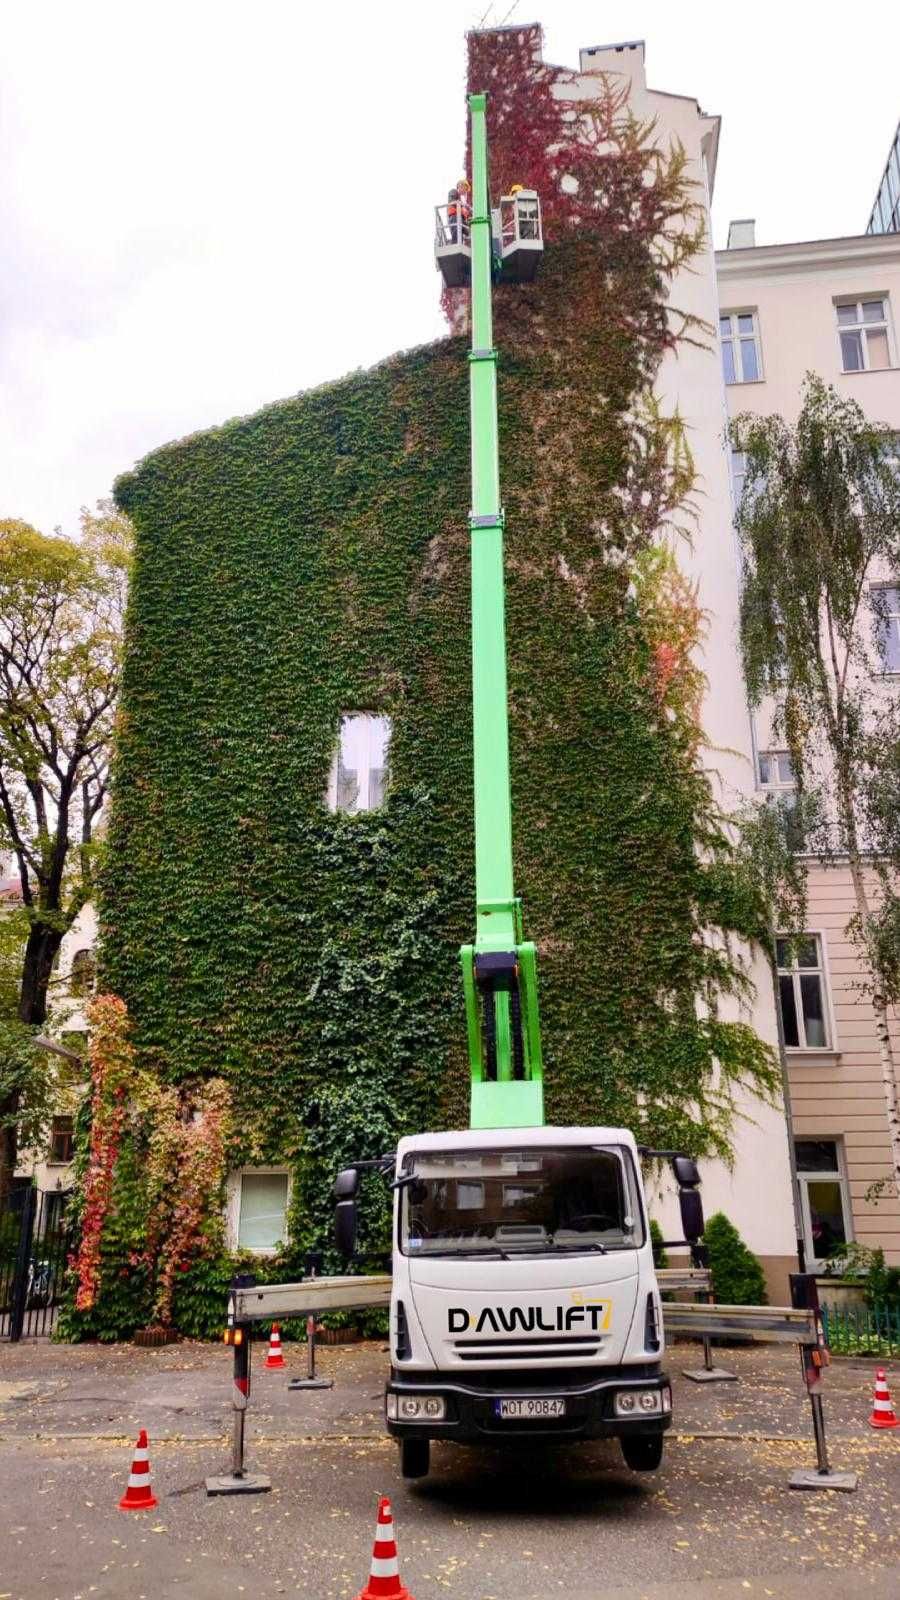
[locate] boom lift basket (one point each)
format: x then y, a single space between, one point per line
521 236
452 244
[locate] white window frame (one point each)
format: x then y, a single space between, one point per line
890 614
836 1175
829 1047
364 801
863 328
779 785
734 337
233 1188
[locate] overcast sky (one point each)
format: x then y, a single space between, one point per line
207 206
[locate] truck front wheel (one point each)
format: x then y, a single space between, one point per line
414 1455
642 1452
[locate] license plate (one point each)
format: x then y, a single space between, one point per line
529 1409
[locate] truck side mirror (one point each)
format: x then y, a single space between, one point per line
692 1223
346 1218
687 1173
345 1224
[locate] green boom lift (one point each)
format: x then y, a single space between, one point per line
500 967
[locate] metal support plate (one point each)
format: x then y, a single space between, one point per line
810 1478
250 1483
311 1383
709 1375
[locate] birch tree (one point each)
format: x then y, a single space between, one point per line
819 527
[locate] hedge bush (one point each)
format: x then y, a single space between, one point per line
737 1274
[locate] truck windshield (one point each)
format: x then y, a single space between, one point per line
530 1201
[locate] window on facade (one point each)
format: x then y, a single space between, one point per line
83 971
801 984
741 359
738 474
863 332
776 770
776 777
824 1201
886 605
263 1206
61 1140
358 777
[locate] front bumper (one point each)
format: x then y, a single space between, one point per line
470 1416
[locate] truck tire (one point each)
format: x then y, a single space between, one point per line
642 1452
414 1455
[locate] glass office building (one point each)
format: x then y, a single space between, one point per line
885 216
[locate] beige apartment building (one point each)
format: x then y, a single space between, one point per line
830 307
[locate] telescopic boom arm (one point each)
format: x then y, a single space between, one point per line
499 969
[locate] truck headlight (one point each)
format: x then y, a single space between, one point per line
415 1407
645 1402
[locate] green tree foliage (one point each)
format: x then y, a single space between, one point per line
819 525
60 635
737 1274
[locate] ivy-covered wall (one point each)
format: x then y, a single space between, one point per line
313 559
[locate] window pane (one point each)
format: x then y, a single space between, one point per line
816 1155
749 363
263 1205
785 769
877 348
725 327
807 953
851 352
826 1216
379 735
813 1010
728 361
789 1012
783 952
846 315
745 323
892 644
765 769
359 773
873 310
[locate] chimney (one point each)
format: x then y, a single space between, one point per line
742 234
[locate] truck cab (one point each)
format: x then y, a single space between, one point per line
524 1301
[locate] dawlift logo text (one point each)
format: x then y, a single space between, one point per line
530 1319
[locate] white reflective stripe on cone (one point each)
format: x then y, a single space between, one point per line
138 1480
384 1569
140 1455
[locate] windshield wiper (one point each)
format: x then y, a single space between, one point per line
489 1250
579 1249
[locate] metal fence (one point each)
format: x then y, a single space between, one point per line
862 1330
35 1240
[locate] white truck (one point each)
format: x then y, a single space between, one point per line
524 1300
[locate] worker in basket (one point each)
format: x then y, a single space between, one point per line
458 212
527 214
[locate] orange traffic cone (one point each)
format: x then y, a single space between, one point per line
882 1410
139 1496
275 1358
384 1576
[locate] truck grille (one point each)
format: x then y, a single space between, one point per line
525 1349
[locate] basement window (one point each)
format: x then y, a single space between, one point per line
358 777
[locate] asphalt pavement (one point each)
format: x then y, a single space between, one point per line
491 1525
